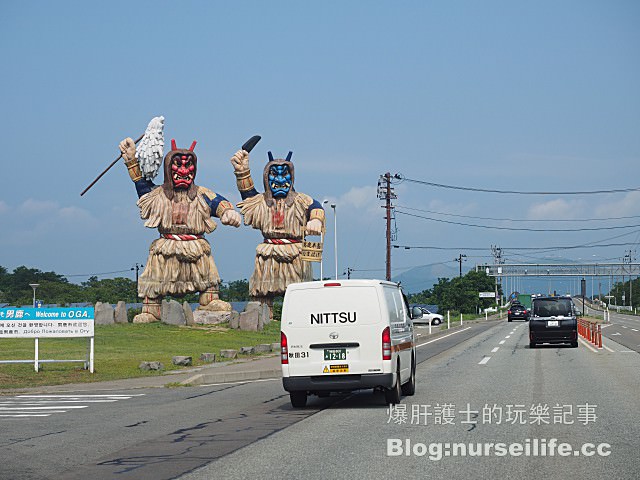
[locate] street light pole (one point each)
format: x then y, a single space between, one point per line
34 286
335 235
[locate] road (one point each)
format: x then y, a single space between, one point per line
249 429
624 329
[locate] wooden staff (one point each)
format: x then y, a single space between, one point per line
107 169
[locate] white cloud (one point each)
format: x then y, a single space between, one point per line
629 205
4 208
37 207
556 209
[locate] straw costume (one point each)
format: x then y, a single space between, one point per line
282 215
180 261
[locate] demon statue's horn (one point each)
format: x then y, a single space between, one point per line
288 159
270 156
173 144
193 145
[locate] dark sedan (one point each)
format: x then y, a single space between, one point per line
553 320
517 312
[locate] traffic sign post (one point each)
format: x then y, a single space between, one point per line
40 323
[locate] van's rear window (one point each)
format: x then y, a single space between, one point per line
551 308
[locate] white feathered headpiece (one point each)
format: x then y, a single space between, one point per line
149 150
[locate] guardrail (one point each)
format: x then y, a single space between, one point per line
590 331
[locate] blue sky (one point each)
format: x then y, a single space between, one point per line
496 94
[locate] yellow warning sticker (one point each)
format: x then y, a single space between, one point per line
339 368
326 370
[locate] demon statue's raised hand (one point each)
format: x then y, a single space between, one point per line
282 215
180 261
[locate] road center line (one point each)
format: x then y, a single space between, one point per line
501 342
495 350
508 336
484 360
440 338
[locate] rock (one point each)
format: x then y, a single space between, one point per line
246 350
234 321
172 313
216 306
121 313
248 321
252 307
144 318
151 366
229 353
182 361
104 314
263 348
275 347
250 317
188 314
208 357
204 317
265 314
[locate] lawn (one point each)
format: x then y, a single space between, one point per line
119 349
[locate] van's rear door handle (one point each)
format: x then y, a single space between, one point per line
334 345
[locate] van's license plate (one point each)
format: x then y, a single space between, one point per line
552 323
335 353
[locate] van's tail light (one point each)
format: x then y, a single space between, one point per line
386 344
284 356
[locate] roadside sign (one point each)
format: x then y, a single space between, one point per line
487 295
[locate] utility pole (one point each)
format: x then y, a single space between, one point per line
137 269
349 270
385 192
459 260
628 258
497 259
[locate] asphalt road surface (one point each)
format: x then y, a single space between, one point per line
477 384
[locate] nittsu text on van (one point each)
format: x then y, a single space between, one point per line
334 317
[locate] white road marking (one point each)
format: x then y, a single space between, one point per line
508 336
41 408
27 415
45 405
83 396
240 382
623 326
501 342
484 360
627 351
495 350
42 402
588 346
634 329
439 338
607 348
617 333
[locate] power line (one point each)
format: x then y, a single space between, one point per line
520 220
95 274
514 192
521 229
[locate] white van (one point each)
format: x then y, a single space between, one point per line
347 335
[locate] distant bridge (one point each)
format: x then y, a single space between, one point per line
560 269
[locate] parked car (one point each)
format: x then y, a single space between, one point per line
426 317
517 311
553 320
